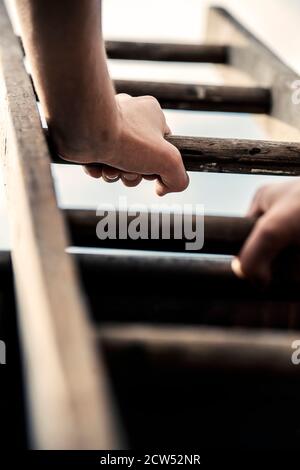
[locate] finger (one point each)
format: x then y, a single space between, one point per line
237 268
93 171
168 130
131 179
123 96
256 206
173 177
150 177
266 241
255 210
110 174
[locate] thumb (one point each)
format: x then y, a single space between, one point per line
173 176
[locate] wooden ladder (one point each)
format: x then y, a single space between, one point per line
85 359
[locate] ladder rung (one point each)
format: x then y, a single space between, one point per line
196 348
197 97
207 277
257 157
223 235
167 52
239 155
204 288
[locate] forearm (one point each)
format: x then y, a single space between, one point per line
65 48
88 124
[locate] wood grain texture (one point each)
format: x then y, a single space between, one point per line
239 155
166 52
68 393
198 97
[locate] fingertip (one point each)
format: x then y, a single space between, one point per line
187 182
111 175
168 131
161 189
161 192
261 277
236 267
130 176
94 172
131 180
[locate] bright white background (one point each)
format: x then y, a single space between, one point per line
182 21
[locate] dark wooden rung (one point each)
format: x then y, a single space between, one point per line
212 275
207 277
160 347
223 235
257 157
167 52
200 97
171 377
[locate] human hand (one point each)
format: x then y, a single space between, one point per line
277 207
140 150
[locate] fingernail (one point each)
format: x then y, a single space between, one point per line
237 268
111 177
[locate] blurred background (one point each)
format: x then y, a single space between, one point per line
182 21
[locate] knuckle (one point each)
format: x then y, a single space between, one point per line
123 96
173 155
152 100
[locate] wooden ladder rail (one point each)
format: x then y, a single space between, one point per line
69 401
39 242
249 55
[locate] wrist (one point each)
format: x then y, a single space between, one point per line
86 143
84 122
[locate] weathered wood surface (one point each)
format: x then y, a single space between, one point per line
222 235
166 52
200 97
239 155
257 157
248 54
69 401
198 348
